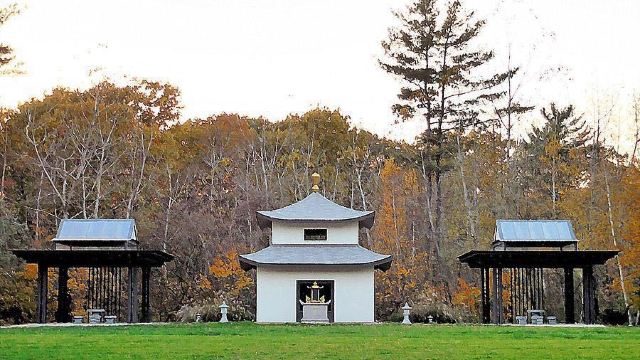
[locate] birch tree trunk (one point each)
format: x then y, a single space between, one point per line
615 244
467 203
427 178
135 192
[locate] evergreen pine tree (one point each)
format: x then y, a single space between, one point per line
443 84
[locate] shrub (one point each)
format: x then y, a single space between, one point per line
441 313
210 312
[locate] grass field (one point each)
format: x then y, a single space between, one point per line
250 341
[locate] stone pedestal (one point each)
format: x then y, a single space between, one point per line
315 312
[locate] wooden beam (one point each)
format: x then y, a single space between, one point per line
494 297
486 306
569 298
482 299
43 273
589 295
499 306
132 296
63 313
511 294
146 306
518 292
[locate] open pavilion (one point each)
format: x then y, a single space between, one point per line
106 247
525 249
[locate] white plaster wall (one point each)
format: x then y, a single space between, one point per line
353 292
293 232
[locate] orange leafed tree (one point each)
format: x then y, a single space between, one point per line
227 274
406 280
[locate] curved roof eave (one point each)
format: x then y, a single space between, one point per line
315 208
382 264
315 255
364 221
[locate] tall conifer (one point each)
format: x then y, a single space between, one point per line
434 54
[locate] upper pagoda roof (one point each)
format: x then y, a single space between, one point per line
315 207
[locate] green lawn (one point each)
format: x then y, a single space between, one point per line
248 340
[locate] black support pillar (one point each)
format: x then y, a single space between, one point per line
569 298
43 280
146 308
486 305
589 295
63 313
494 297
132 296
497 316
499 289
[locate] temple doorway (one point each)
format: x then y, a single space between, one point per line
303 291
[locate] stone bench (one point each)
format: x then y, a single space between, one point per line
95 315
537 320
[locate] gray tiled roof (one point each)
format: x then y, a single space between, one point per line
535 230
315 255
315 207
96 229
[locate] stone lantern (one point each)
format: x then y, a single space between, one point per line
223 312
405 312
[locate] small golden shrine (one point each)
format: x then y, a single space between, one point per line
315 308
315 294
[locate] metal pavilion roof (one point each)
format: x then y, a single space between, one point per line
96 230
534 231
315 255
315 207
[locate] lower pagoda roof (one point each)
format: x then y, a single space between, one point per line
322 255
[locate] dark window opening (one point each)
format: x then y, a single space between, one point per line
315 234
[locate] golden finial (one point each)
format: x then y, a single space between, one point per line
315 178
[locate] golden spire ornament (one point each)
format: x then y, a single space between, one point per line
315 179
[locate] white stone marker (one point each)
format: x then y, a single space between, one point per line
405 311
223 312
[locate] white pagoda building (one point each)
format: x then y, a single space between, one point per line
314 269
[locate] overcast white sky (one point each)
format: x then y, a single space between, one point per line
275 57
